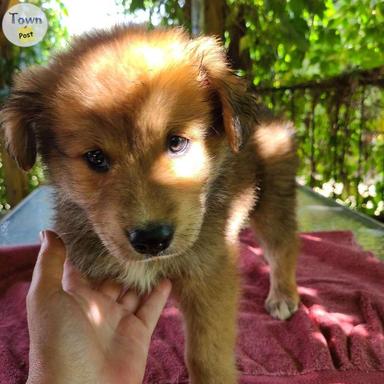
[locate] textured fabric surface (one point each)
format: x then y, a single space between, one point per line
336 336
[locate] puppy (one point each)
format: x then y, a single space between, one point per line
158 155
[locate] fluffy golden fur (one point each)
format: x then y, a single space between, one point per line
124 92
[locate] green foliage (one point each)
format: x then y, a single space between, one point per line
341 148
168 13
291 41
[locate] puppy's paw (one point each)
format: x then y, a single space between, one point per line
281 307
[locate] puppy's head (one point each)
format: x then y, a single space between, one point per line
132 127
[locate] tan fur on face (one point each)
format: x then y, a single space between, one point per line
126 92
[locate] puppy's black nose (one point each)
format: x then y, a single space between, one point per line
151 239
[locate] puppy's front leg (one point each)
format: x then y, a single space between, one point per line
209 308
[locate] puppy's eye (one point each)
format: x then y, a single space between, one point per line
97 160
178 144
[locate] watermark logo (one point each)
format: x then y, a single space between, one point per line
24 25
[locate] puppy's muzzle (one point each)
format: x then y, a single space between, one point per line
151 239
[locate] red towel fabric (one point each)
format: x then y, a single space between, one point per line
336 336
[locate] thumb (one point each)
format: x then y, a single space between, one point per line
48 270
150 310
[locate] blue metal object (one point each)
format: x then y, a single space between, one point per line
23 224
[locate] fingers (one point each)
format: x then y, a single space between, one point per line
130 301
48 270
110 289
72 278
150 310
78 286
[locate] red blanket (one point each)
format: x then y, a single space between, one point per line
336 336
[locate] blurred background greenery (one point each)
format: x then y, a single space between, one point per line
319 63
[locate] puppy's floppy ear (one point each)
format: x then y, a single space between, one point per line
20 116
215 73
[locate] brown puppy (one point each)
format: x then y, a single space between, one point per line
158 155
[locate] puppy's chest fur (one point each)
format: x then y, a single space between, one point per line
231 195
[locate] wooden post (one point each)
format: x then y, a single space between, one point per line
208 16
187 14
197 17
237 30
214 17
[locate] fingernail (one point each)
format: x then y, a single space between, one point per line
166 285
42 236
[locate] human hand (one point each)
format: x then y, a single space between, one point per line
79 334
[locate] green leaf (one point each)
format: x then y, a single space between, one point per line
136 4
